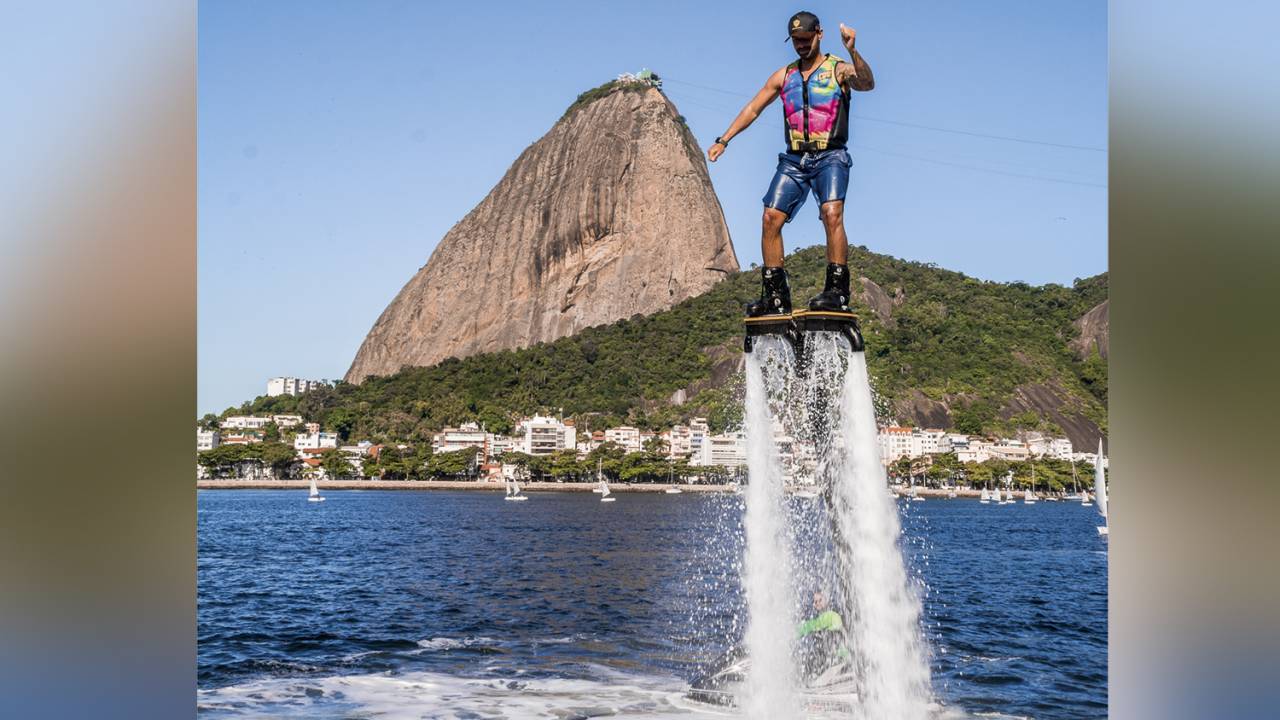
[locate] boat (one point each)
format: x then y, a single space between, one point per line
672 490
1028 495
832 690
1100 491
1084 498
314 494
513 491
985 498
603 487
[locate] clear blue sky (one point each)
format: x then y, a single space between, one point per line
339 141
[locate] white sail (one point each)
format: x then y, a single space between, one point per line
604 488
1100 482
314 494
986 497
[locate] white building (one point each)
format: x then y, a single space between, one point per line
356 454
291 386
286 421
207 439
972 450
729 450
315 441
898 442
1012 450
1060 448
698 432
244 422
547 435
469 435
895 442
500 444
627 437
678 441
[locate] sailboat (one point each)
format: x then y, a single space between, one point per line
1028 496
672 489
985 499
1100 490
604 487
596 489
314 495
513 491
914 495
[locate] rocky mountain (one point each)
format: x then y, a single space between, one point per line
611 214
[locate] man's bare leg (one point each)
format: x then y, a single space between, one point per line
837 241
771 237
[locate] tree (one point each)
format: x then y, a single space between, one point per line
271 432
340 420
452 464
208 422
335 465
280 458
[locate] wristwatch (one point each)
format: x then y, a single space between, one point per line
721 141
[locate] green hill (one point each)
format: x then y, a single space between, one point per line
944 350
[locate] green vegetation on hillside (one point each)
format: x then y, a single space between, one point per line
589 96
950 336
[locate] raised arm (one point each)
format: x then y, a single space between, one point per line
854 75
749 113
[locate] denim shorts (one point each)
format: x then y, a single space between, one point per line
825 173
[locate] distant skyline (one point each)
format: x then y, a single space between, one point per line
339 142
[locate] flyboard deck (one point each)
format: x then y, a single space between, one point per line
793 327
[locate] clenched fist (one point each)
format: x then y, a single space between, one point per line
847 35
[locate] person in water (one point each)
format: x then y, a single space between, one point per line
815 93
821 637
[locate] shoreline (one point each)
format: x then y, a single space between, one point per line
469 485
474 486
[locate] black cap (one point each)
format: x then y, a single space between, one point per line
803 21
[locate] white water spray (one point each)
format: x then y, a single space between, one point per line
771 681
885 627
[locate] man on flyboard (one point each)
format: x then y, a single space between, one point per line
815 93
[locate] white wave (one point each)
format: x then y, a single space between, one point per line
446 643
387 696
421 694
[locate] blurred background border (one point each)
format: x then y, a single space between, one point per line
97 212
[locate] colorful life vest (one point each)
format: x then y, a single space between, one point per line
816 113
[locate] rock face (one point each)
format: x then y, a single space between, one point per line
878 300
609 214
1095 329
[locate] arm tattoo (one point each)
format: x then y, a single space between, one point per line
858 75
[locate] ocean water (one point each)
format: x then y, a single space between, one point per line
391 604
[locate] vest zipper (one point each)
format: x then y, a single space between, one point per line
804 91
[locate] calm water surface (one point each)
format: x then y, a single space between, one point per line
412 604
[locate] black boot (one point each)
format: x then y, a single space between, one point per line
835 294
775 294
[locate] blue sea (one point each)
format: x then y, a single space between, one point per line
432 604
